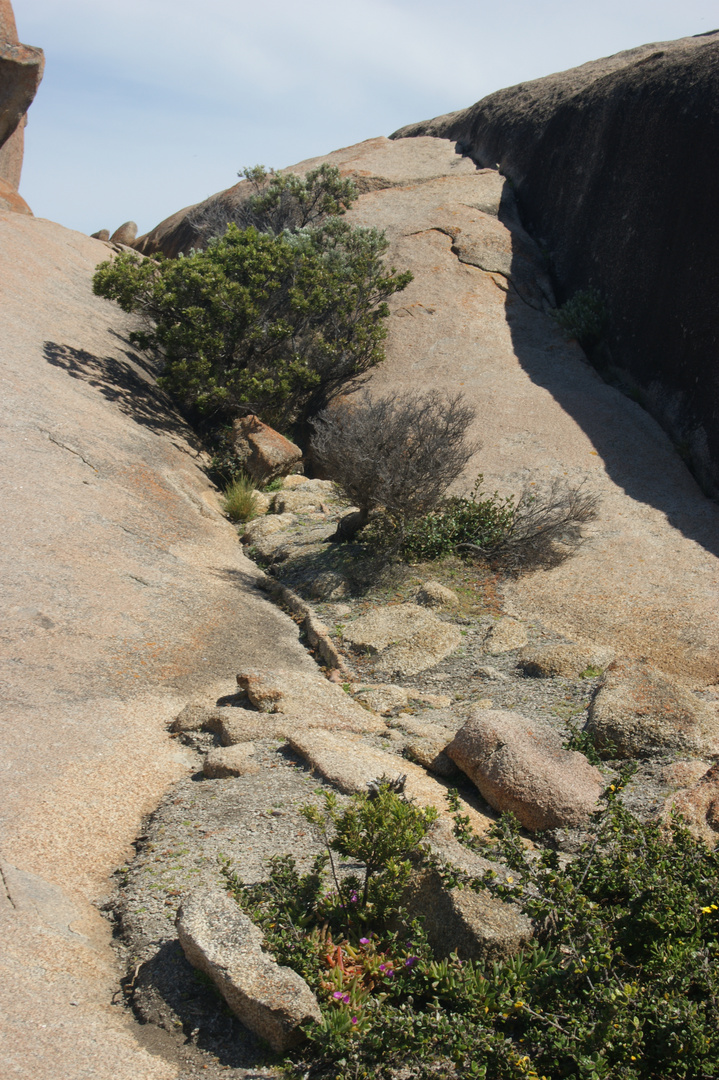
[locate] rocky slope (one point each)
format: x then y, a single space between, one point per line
613 164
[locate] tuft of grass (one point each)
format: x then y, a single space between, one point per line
240 501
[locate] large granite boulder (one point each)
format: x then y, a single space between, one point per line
614 164
21 68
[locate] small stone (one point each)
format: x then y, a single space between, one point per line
565 659
218 939
505 635
521 765
101 234
294 480
264 453
230 761
491 673
434 594
385 700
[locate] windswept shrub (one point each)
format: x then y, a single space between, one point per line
261 323
539 529
280 201
620 982
398 453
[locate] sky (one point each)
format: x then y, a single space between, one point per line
148 106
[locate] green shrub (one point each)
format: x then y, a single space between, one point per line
621 981
240 501
257 322
540 528
584 317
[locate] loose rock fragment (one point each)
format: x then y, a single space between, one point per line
505 635
226 761
307 697
565 659
221 941
434 594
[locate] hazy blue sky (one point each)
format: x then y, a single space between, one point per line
149 105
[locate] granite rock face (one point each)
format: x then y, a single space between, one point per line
520 765
402 640
21 68
614 164
271 1000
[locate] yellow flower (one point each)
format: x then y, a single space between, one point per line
707 910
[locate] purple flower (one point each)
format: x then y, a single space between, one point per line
337 995
354 1019
353 898
346 999
411 961
364 941
382 967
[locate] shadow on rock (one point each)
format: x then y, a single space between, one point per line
128 384
170 993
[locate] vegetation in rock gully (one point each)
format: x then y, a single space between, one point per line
621 980
264 321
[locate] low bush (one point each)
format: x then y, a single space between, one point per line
398 452
539 529
239 500
583 317
621 981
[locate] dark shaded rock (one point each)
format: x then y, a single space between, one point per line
475 925
614 165
101 234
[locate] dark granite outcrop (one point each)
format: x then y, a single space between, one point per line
21 68
615 167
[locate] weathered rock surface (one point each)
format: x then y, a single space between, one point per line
350 764
21 68
264 453
566 658
402 640
647 581
387 700
434 594
475 925
233 760
599 158
125 593
308 699
699 806
311 496
221 941
520 765
641 712
505 635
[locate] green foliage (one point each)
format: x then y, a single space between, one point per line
258 322
621 981
381 830
482 521
287 201
240 501
583 317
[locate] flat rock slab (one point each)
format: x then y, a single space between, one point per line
350 764
638 711
402 640
505 635
226 761
520 765
218 939
565 659
307 698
